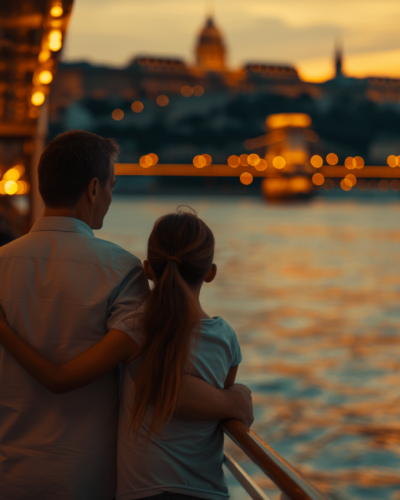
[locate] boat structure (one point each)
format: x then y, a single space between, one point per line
291 483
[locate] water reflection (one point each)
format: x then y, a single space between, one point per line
313 292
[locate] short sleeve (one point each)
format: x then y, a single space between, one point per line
126 297
236 352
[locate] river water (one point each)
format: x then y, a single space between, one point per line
313 292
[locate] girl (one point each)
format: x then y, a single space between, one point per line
159 455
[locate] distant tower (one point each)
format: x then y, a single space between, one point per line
338 60
210 48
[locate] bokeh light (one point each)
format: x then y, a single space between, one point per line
45 77
316 161
57 10
233 161
198 90
10 187
352 179
345 184
392 161
44 56
208 159
332 159
38 98
253 159
199 161
279 162
137 107
318 179
348 163
117 114
186 91
55 40
243 160
261 166
358 162
14 173
162 100
383 185
246 178
395 185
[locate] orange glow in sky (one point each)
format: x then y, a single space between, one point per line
296 32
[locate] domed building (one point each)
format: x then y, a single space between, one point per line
210 48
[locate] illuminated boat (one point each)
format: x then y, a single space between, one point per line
287 152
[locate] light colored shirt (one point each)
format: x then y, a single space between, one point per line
186 456
62 289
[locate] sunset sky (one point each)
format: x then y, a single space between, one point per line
299 32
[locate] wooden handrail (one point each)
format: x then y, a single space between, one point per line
288 479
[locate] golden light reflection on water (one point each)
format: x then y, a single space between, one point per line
313 292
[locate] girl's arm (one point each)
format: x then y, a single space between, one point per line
87 367
231 377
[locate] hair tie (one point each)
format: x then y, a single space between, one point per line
175 259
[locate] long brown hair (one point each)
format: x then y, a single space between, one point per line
180 251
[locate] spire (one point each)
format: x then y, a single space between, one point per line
338 60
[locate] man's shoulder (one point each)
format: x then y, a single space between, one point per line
14 246
113 255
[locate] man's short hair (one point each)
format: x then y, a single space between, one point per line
70 162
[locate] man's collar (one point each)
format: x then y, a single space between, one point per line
64 224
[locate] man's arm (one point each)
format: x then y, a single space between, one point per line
201 401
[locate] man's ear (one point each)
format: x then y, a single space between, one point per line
148 270
93 189
212 272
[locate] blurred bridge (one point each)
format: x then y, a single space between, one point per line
31 36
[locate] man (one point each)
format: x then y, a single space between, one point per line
62 290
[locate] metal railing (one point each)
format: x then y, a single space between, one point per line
293 485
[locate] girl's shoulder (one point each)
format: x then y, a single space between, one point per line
218 331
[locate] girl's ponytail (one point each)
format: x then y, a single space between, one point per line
180 251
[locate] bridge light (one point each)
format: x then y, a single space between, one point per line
44 56
316 161
162 100
10 187
208 159
253 159
262 165
137 107
233 161
392 161
45 77
279 162
318 179
37 98
199 161
332 159
117 114
345 184
246 178
198 90
57 10
186 91
13 174
243 160
55 40
352 178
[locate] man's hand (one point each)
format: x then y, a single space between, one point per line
243 403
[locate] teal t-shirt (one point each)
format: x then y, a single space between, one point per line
186 456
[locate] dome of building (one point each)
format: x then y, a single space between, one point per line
210 48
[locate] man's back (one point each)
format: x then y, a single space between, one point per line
61 289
